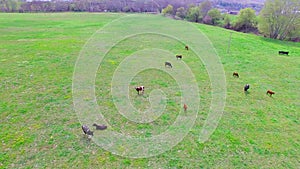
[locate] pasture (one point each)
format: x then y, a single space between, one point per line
40 129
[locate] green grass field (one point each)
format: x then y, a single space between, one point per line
40 129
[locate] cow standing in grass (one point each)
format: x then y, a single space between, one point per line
186 47
100 127
86 130
168 64
246 87
140 89
283 53
185 107
235 74
178 56
270 92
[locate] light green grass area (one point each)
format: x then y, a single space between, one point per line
40 129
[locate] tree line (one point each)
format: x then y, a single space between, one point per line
109 5
278 19
88 5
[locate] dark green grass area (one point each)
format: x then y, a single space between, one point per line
40 129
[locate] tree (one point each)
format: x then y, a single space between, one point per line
205 7
215 16
227 22
280 18
207 19
181 12
10 5
246 20
168 10
194 14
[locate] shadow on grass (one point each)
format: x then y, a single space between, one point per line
246 93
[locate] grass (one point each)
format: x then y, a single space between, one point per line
40 129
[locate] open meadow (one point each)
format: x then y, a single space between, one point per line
40 128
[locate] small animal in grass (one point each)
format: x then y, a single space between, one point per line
178 56
86 130
168 64
283 53
100 127
186 47
235 74
270 92
185 107
140 89
246 87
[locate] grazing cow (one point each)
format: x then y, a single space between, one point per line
270 92
235 74
168 64
283 53
185 107
186 47
178 56
140 89
100 127
86 130
246 87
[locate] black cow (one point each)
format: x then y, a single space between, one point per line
246 87
168 64
86 130
100 127
186 47
283 53
178 56
140 89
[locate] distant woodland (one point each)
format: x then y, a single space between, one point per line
117 5
277 19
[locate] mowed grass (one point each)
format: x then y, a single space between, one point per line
40 129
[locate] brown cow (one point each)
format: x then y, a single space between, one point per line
185 107
270 92
235 74
186 47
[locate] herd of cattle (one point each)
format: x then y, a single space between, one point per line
247 86
141 89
